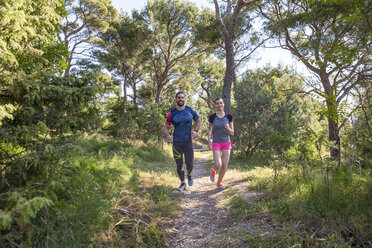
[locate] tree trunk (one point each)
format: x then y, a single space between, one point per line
332 115
229 75
158 92
133 84
333 131
151 124
334 137
125 101
134 94
68 68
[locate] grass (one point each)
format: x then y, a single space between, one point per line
305 209
149 198
104 193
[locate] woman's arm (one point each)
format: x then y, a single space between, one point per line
210 135
210 131
230 128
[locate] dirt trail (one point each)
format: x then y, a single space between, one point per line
204 219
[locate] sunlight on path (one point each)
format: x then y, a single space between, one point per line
206 220
202 218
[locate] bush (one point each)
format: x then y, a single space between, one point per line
70 200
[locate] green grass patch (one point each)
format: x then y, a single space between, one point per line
241 208
249 163
287 235
333 213
94 185
164 201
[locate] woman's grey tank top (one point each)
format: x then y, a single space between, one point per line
219 132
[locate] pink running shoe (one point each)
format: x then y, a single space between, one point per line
212 175
220 186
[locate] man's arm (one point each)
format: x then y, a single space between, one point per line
168 138
196 128
197 124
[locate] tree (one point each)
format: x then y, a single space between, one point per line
265 112
85 19
38 110
126 50
325 41
27 33
171 22
361 135
233 23
26 51
355 10
211 71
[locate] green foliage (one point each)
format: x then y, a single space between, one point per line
354 13
337 46
134 124
358 134
91 18
47 109
206 30
164 200
28 46
137 120
134 181
125 50
241 208
147 154
70 201
169 70
212 72
160 193
20 210
303 208
338 209
38 21
156 114
265 112
153 237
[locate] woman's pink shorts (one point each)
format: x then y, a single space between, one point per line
221 146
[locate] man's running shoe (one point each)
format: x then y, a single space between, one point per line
181 187
220 186
212 175
190 180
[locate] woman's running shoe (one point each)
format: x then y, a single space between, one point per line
181 187
220 186
212 175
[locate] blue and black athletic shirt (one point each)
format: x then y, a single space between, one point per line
182 121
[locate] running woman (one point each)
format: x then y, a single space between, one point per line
221 127
181 117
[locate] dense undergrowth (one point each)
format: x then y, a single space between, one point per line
306 209
93 194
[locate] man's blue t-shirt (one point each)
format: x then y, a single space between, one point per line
182 121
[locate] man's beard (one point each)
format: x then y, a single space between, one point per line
180 103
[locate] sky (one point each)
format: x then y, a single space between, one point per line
128 5
262 57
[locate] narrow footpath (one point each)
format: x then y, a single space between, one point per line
205 220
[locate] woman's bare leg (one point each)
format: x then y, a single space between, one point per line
225 161
217 160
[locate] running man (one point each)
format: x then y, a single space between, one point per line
181 117
221 127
